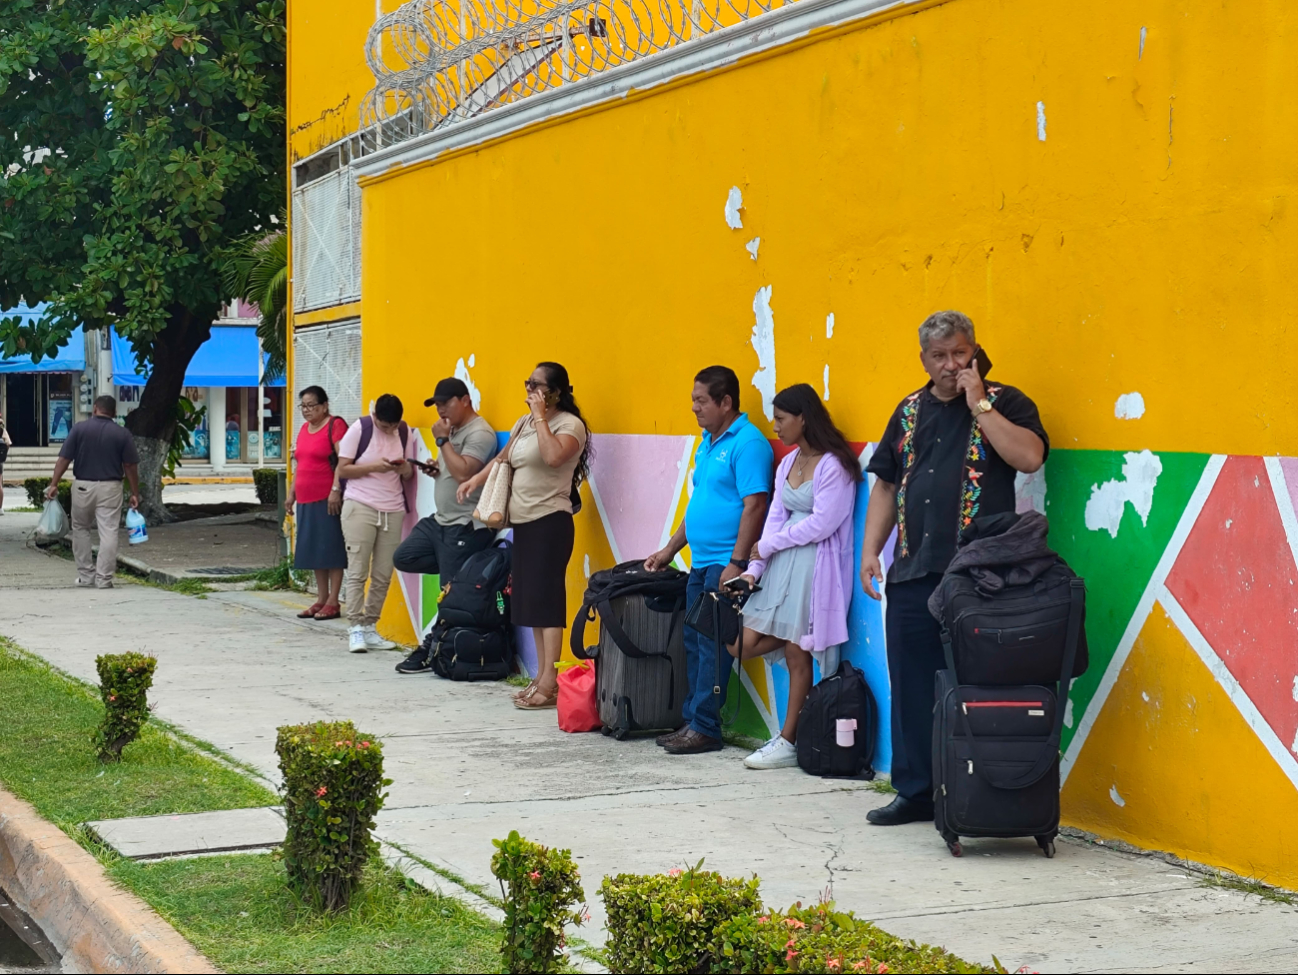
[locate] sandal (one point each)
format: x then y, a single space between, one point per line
329 612
310 611
537 700
526 691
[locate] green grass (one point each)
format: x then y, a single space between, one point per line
238 911
46 756
1249 885
518 680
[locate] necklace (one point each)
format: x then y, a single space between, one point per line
801 467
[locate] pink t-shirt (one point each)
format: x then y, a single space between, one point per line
382 492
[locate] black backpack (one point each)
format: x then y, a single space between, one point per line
843 694
478 597
460 653
663 591
1015 636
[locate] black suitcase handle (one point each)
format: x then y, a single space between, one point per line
1050 747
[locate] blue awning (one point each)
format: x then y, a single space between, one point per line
69 358
228 358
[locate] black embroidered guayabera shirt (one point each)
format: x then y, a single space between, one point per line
946 473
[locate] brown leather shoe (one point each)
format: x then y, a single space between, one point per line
693 743
662 741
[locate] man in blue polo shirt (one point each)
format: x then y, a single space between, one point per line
732 483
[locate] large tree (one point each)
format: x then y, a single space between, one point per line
138 140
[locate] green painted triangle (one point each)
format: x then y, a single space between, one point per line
1116 570
430 589
748 721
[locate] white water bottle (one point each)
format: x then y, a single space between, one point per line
845 732
136 531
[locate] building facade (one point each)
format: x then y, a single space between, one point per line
1103 189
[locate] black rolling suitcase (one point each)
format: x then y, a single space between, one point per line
996 748
640 676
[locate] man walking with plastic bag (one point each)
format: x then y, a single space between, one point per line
100 453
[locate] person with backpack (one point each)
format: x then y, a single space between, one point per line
549 451
732 482
315 497
374 460
803 559
949 454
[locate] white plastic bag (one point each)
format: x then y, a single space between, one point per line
53 524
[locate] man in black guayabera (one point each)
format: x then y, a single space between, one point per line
949 454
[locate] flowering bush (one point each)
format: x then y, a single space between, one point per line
333 782
821 939
124 682
669 922
540 887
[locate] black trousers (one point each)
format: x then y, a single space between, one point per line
914 658
434 549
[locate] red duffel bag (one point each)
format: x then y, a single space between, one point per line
578 706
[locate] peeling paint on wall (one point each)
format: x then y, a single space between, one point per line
829 325
763 343
1143 32
1030 492
462 374
752 246
1130 406
826 396
1041 121
1108 500
1114 795
734 203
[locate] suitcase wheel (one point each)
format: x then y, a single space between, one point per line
956 849
1047 844
619 734
605 730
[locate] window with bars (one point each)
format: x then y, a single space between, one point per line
327 241
329 356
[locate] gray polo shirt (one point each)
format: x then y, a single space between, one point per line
475 439
98 448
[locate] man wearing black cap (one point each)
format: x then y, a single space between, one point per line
440 544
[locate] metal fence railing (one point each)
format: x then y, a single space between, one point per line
436 62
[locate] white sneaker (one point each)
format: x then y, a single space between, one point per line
779 752
356 639
375 642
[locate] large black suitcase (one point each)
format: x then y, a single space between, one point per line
640 675
996 750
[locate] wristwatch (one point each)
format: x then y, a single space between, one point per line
441 441
740 564
984 405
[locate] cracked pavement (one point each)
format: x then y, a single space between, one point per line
468 767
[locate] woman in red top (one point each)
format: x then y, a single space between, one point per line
318 496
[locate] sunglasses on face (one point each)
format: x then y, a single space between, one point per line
531 385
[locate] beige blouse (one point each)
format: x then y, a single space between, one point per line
539 489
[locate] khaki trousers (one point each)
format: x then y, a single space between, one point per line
96 504
372 537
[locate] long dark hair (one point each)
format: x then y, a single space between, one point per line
556 377
818 426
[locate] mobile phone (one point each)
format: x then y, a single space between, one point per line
552 399
426 467
983 361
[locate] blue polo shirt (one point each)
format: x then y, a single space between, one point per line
737 464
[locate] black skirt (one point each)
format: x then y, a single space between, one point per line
320 542
542 549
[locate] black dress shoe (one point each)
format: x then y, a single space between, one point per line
662 741
901 810
693 743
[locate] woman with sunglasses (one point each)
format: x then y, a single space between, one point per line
549 449
317 494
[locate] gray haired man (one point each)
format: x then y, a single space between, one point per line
950 453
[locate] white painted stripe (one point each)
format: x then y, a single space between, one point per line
716 50
1280 488
603 517
1238 696
768 717
684 470
1143 608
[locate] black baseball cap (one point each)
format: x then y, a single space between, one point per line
447 389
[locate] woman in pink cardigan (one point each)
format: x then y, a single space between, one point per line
804 557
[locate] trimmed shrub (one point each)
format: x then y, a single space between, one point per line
124 682
266 481
670 922
540 887
821 939
333 788
35 488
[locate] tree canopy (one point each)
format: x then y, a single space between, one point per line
138 140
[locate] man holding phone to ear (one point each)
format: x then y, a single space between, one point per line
950 453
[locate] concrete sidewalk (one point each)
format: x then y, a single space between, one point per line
468 767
